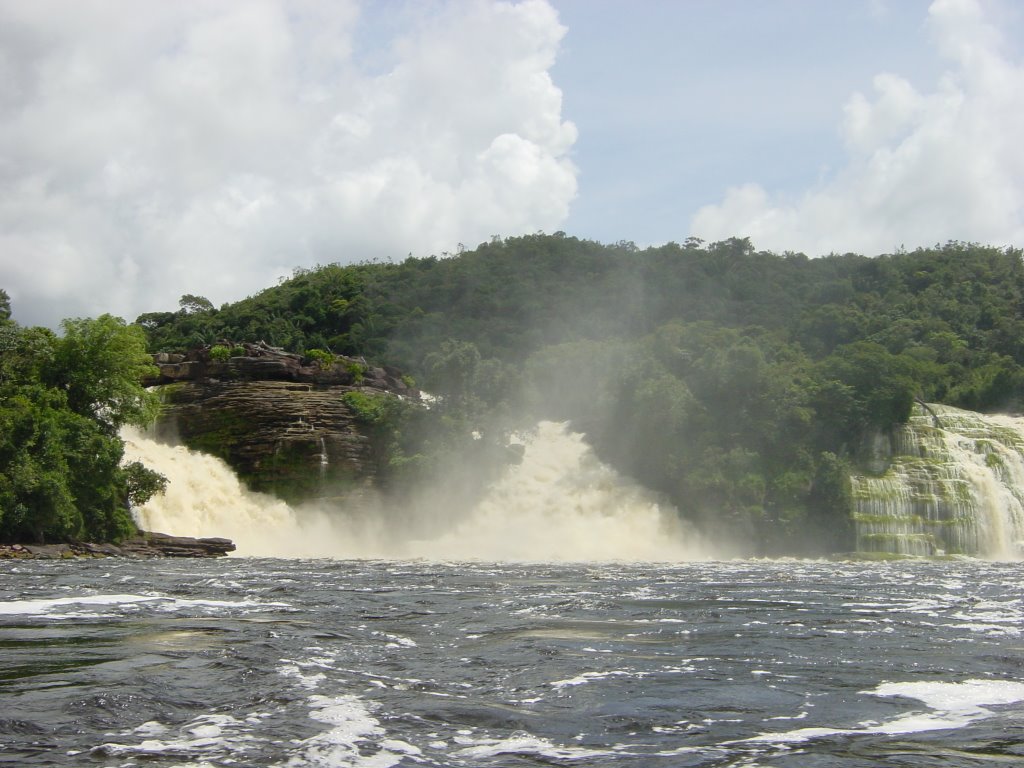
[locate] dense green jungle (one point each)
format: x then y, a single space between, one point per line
742 385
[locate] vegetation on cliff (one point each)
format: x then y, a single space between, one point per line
740 383
62 401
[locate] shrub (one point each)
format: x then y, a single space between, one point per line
220 353
357 370
321 357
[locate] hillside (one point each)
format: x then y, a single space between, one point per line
741 384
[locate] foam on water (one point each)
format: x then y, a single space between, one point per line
353 737
350 723
16 607
588 677
207 735
953 705
70 607
526 744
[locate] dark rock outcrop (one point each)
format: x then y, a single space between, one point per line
278 419
152 544
262 362
147 544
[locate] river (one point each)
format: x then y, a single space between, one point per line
316 662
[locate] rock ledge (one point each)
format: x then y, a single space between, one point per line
147 544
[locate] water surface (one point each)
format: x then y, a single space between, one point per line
374 663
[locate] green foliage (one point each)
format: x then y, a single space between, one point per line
389 422
879 386
62 400
370 407
220 353
191 304
321 357
142 483
740 383
452 369
357 370
99 364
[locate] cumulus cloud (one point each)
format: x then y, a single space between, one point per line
149 150
921 168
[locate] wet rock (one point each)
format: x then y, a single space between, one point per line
153 544
146 544
280 420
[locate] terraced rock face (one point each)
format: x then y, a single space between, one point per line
280 421
949 481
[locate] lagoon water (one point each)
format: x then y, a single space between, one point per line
275 662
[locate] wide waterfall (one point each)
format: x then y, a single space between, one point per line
950 481
560 503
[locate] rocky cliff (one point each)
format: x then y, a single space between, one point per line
278 419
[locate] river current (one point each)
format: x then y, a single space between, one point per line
275 662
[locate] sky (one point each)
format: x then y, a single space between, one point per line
151 149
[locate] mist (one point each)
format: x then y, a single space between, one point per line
558 504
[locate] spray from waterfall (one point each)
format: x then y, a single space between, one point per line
559 504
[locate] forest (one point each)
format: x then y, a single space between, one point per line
743 385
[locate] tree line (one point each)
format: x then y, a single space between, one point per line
741 384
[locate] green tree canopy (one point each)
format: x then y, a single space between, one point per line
99 364
62 400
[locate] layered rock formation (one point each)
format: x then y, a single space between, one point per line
278 419
147 544
949 481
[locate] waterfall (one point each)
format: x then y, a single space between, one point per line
562 503
559 504
205 498
954 483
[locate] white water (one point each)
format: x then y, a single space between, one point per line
955 485
952 705
559 504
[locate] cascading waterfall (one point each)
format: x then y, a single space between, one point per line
562 503
559 504
205 498
954 484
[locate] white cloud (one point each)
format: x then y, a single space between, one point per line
153 149
922 168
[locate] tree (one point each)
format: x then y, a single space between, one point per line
100 364
191 304
62 401
882 385
36 499
452 369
